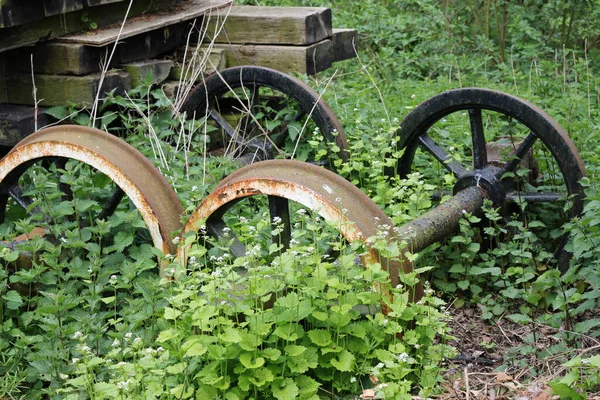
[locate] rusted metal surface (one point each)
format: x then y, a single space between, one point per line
202 101
135 175
335 199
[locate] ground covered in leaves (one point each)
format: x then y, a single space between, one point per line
506 360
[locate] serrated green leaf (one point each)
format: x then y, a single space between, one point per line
13 299
167 335
564 391
344 361
250 362
320 337
284 389
171 313
293 350
519 318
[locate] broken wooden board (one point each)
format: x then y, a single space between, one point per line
19 12
183 11
301 59
53 90
345 43
57 25
78 59
272 25
17 122
56 7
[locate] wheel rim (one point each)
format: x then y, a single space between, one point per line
536 134
134 175
355 216
255 132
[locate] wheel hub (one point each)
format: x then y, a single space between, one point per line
485 179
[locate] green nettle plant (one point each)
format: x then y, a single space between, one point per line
300 326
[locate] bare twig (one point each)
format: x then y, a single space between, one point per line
105 67
35 100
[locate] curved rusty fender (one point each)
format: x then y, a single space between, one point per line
128 168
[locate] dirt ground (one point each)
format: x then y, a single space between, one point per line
524 353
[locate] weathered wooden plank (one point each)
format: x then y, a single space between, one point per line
77 59
302 59
196 59
92 3
345 43
272 25
158 69
17 122
184 11
56 7
57 25
55 90
57 58
19 12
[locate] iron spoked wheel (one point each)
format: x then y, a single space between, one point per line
524 160
283 195
261 113
39 181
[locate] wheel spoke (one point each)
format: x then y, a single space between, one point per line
15 192
217 228
478 137
279 211
517 156
442 156
222 122
111 204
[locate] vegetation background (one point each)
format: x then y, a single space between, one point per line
108 327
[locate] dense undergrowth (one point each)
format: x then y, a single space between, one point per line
105 324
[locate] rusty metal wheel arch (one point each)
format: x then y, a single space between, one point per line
333 198
307 98
124 165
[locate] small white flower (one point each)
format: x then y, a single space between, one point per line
412 96
585 361
77 335
301 211
116 343
276 220
464 211
399 286
176 239
74 360
402 357
137 341
353 379
128 335
385 322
